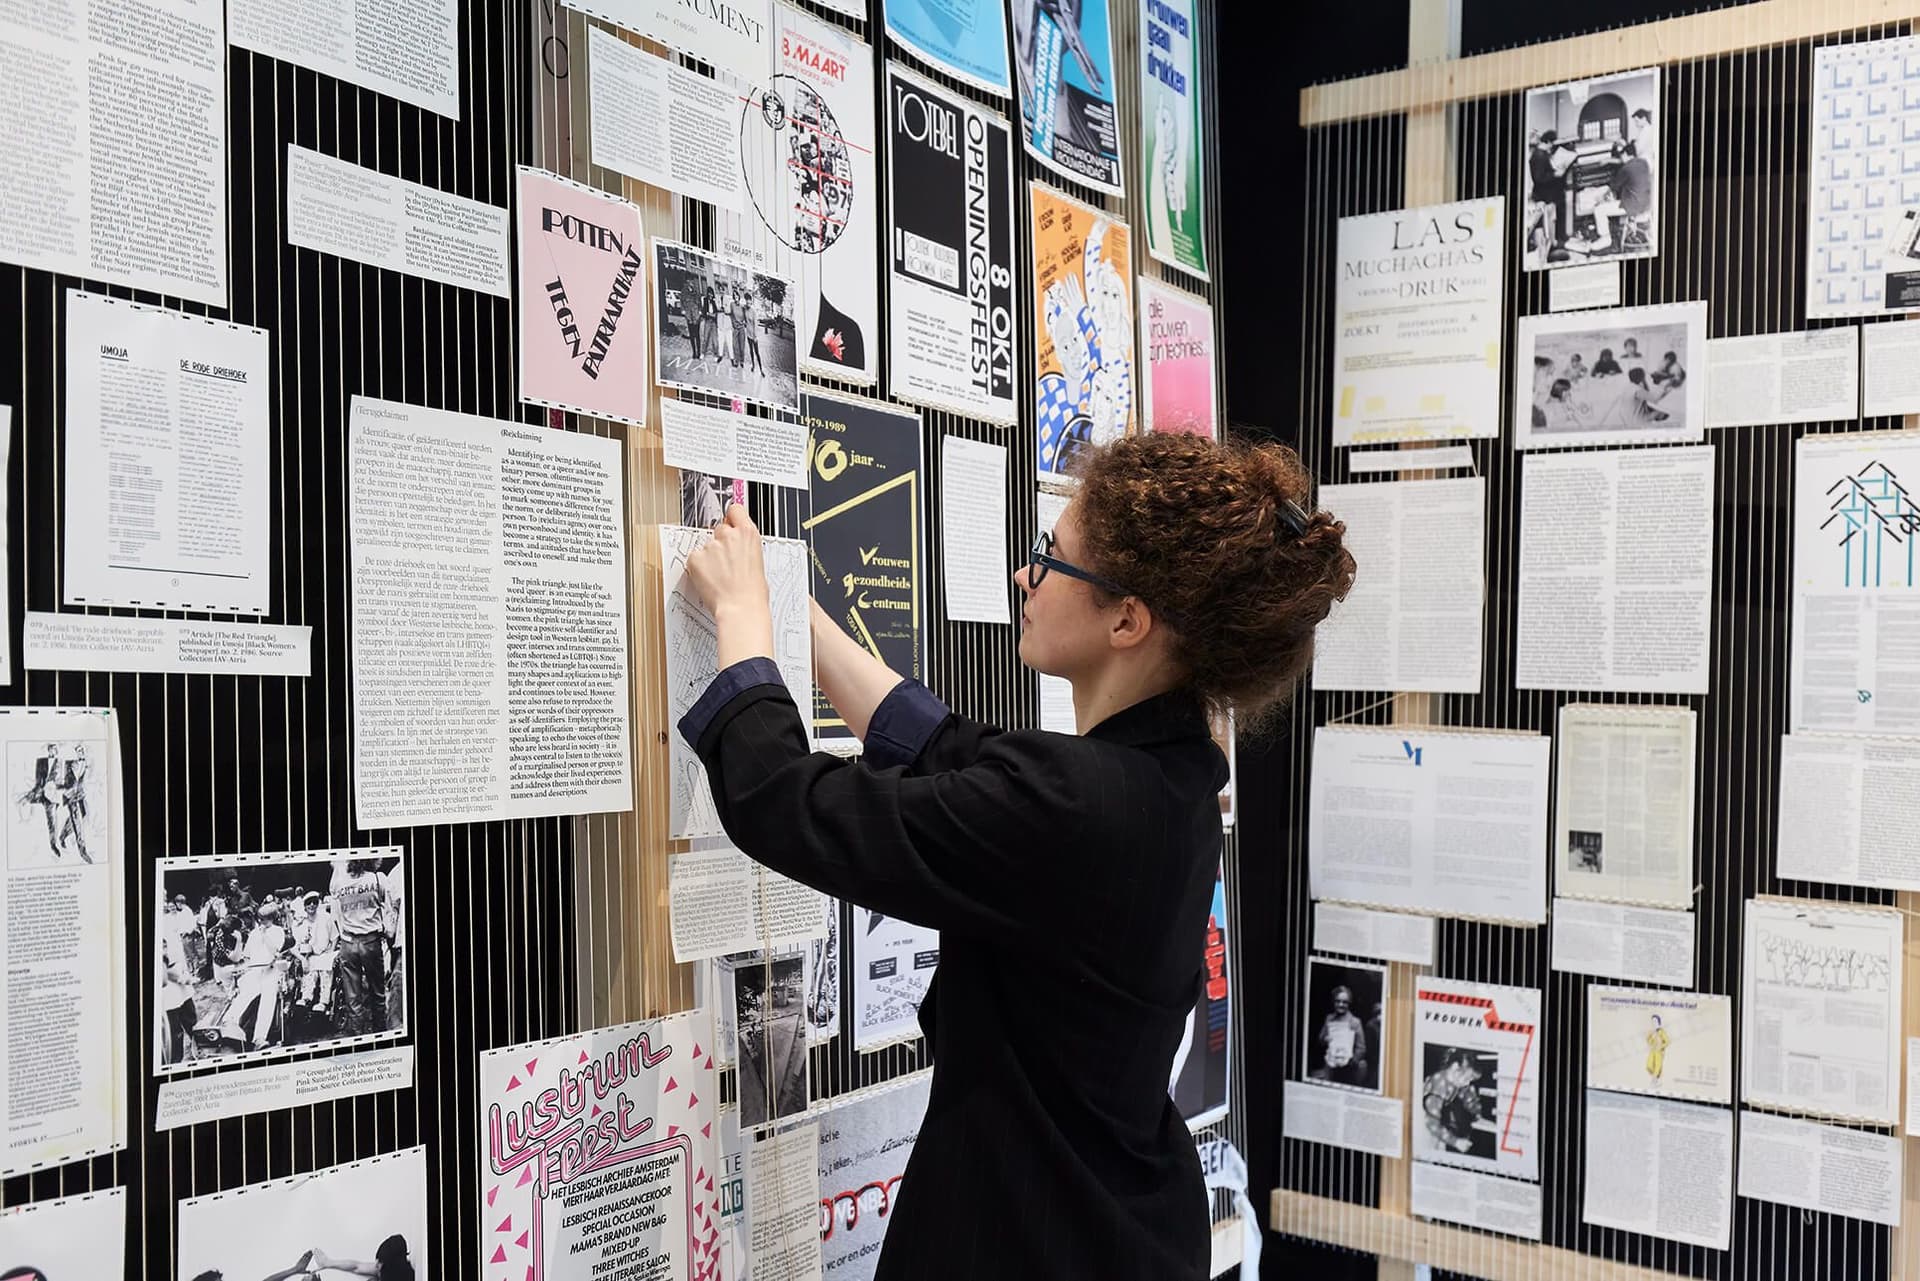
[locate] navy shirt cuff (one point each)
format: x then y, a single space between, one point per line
727 686
902 724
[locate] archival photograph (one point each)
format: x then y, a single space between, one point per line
723 327
266 955
1592 171
1346 1023
771 1018
704 499
1459 1099
1585 852
367 1219
55 821
1621 377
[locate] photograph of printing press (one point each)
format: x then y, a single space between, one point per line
1592 171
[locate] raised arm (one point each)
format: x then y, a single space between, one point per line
853 680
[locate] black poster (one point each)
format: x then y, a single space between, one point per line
863 528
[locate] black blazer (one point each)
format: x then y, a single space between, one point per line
1070 878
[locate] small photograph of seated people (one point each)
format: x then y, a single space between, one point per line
1608 380
1592 171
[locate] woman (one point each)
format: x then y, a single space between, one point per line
1070 875
390 1262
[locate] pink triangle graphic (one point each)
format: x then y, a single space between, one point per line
672 1130
709 1063
529 1272
493 1194
531 1065
506 1224
703 1174
526 1177
706 1131
521 1240
693 1100
513 1085
499 1255
583 1056
696 1049
672 1085
596 1109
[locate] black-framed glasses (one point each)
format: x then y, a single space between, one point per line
1040 559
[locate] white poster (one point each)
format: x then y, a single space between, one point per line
366 216
1591 173
723 442
1344 1119
893 962
720 902
1856 584
1476 1064
1660 1168
811 209
1671 1045
1823 1168
114 143
1767 380
973 497
1863 231
693 659
1848 805
661 123
1624 377
1448 823
1414 619
735 37
599 1148
864 1148
366 1218
1821 1010
77 1236
1360 931
411 54
1484 1201
1618 941
1417 314
1623 812
167 420
1616 571
63 933
489 619
52 642
1891 355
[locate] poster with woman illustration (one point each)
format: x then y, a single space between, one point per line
1082 269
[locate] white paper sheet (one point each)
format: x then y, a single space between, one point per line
366 216
1891 383
893 962
1770 379
6 559
693 657
1623 814
1821 1010
1611 940
720 442
489 579
1360 931
1584 288
1822 1168
1056 705
865 1143
1849 808
1344 1119
63 933
1416 353
1048 507
114 143
720 901
1856 584
197 1100
344 1212
1636 376
1476 1068
656 121
167 418
735 38
1616 571
1452 824
102 643
1659 1168
76 1236
1370 462
1670 1045
412 54
783 1193
1863 224
973 498
1414 619
1913 1087
1477 1200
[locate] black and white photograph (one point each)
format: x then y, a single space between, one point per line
1623 377
704 499
1459 1099
1346 1023
771 1017
1591 175
1585 852
367 1219
723 327
262 956
823 980
56 820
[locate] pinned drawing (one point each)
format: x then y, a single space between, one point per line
1874 524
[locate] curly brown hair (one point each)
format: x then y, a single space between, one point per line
1199 530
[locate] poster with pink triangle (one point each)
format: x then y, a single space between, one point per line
600 1155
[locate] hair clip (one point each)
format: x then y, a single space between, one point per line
1295 517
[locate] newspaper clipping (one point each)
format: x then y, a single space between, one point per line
1623 813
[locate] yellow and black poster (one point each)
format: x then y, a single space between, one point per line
863 532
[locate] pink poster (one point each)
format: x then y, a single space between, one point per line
1176 330
583 300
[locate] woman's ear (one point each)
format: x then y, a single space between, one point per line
1132 623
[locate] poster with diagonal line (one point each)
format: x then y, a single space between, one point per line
1476 1063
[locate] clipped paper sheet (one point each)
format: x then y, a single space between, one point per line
1177 369
1639 944
1616 571
1823 1168
1623 817
1084 329
783 1194
1848 809
1913 1087
771 1030
1056 705
1584 288
1451 824
967 41
864 1148
724 326
893 963
1476 1066
1344 1036
366 216
722 902
735 38
6 560
1344 1119
196 1100
415 59
167 420
1863 228
1670 1045
693 659
346 1212
102 643
1442 458
973 498
1414 619
1659 1168
1821 1010
76 1236
1360 931
1175 106
663 124
1636 376
1063 57
721 442
1856 583
1891 385
1771 379
1476 1200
